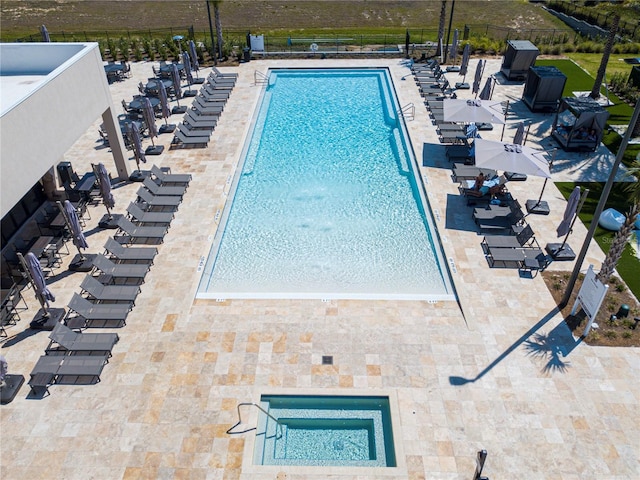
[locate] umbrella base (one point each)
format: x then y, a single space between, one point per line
484 126
82 263
139 176
537 208
40 322
462 86
557 253
453 68
181 110
515 177
167 128
154 150
198 81
9 390
111 223
189 93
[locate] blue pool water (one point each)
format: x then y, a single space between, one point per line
325 430
326 203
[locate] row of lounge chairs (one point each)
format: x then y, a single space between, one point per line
201 119
108 293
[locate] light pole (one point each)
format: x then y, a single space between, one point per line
600 207
213 42
446 49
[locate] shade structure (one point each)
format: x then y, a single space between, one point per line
134 135
175 77
464 67
472 111
518 138
150 119
36 276
486 92
45 34
511 158
478 76
166 111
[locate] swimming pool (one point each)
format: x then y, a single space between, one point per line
327 201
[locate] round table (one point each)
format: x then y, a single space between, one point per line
136 103
152 85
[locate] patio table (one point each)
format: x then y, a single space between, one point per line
136 103
151 88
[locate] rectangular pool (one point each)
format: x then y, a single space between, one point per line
327 201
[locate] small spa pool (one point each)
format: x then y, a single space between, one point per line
325 431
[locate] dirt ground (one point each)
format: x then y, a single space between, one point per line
619 332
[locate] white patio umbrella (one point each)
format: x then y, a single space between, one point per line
464 67
472 111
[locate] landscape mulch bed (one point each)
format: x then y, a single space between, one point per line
618 332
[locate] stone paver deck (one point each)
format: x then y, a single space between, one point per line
497 370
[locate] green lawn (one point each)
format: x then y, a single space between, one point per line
629 265
591 62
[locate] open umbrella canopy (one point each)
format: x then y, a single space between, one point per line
472 111
74 225
37 276
511 158
105 186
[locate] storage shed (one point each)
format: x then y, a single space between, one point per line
543 90
579 124
520 55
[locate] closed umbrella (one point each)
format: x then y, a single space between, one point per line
453 51
134 136
150 119
175 77
562 251
186 61
36 276
45 34
478 77
166 112
195 66
472 111
485 94
104 182
464 67
518 138
407 39
75 228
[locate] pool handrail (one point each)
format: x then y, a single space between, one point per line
278 428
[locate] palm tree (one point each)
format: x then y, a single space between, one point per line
611 37
622 236
443 18
216 14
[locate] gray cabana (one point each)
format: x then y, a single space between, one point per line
579 124
543 90
519 56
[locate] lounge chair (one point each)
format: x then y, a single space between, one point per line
65 341
156 189
462 172
137 233
117 270
218 74
215 93
200 121
528 258
524 238
110 293
184 178
501 224
90 314
55 369
158 200
130 254
141 217
192 133
182 140
204 107
198 128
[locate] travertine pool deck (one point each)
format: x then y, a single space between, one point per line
497 370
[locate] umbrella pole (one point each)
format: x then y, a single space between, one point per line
68 224
541 207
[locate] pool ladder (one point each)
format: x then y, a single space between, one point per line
259 78
278 424
408 111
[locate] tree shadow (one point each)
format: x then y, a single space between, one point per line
458 214
457 381
435 156
552 348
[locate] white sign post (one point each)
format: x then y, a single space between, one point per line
590 297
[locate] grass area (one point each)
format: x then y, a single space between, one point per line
591 62
275 17
629 265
